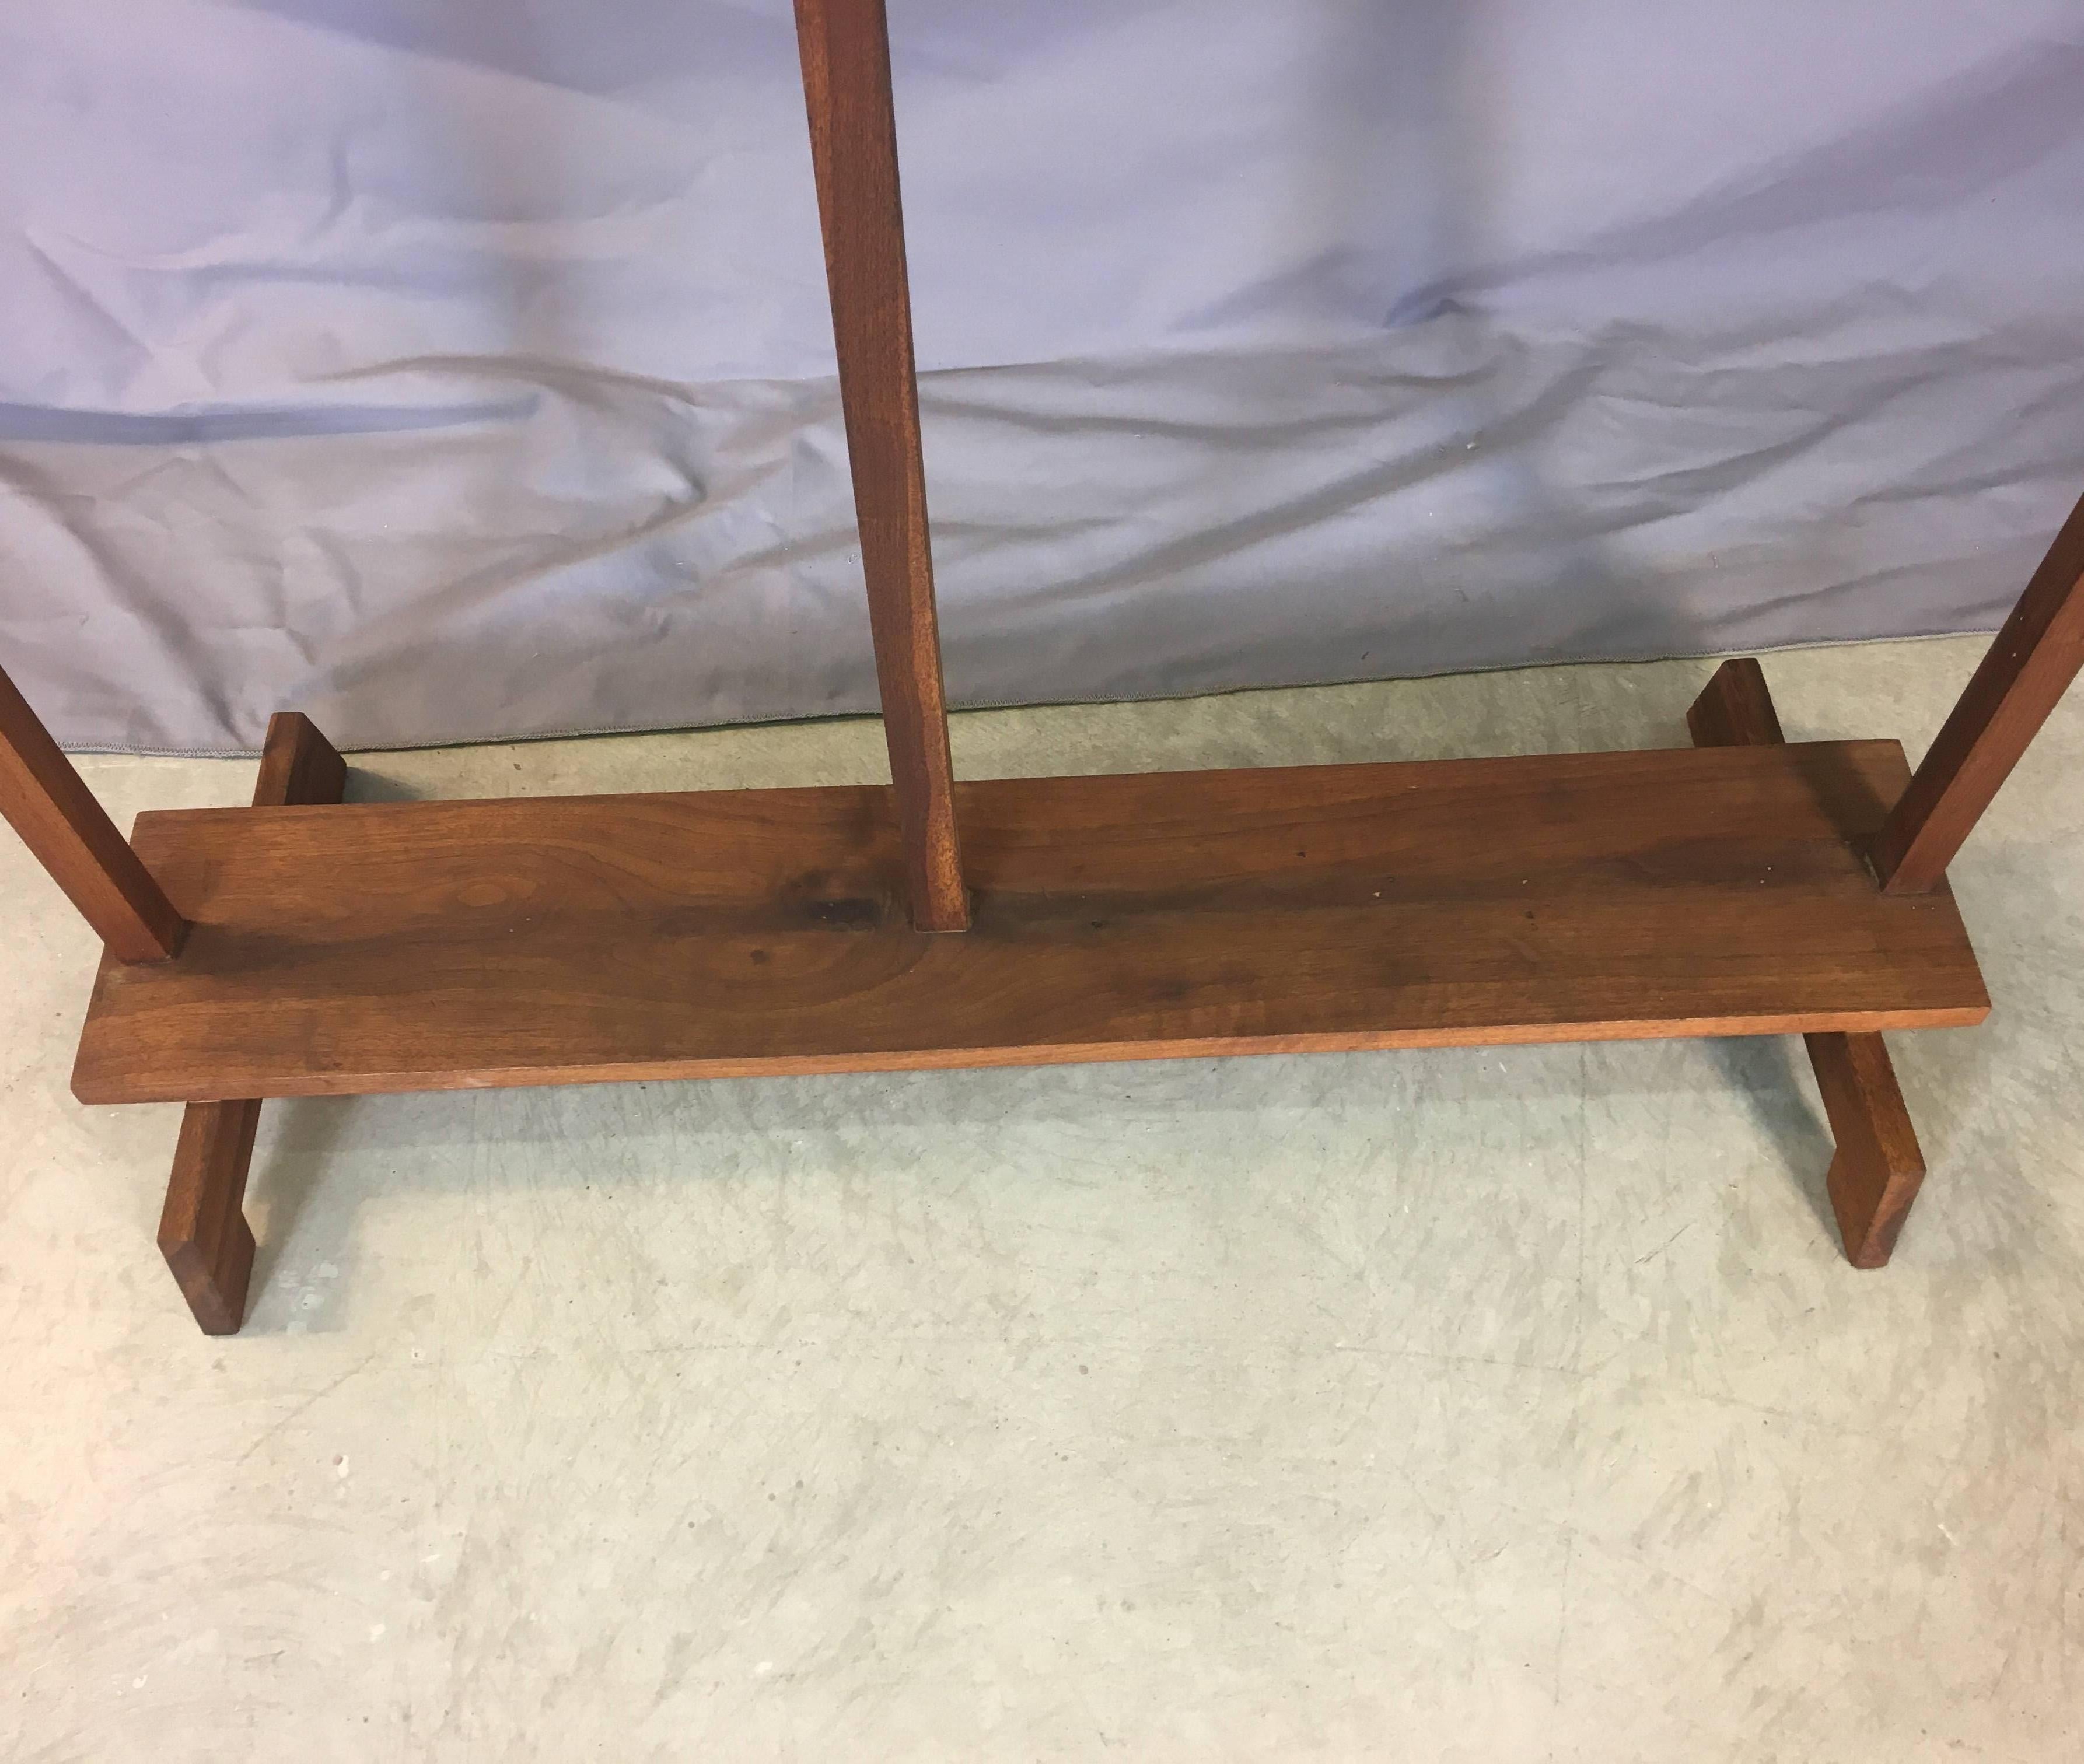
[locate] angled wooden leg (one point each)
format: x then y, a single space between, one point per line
1736 709
298 764
1877 1171
203 1234
71 836
845 51
2037 656
1878 1168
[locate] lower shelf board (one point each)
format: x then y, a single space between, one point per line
339 950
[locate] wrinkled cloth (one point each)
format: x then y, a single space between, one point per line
465 373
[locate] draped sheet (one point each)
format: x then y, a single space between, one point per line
463 371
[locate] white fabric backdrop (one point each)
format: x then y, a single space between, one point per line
460 368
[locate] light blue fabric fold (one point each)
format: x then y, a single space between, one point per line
463 373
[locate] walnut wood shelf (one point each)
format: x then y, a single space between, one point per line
1742 886
444 946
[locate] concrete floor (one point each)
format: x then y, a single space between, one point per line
1486 1406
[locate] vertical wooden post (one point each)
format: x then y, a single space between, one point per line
845 49
72 837
2030 666
1877 1169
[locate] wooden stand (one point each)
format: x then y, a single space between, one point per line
1744 885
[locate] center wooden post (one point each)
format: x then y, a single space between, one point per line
845 48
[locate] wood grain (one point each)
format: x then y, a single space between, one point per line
70 833
1878 1168
845 50
434 946
203 1233
2030 666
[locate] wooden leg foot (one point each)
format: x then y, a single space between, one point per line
203 1233
1875 1174
1878 1167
